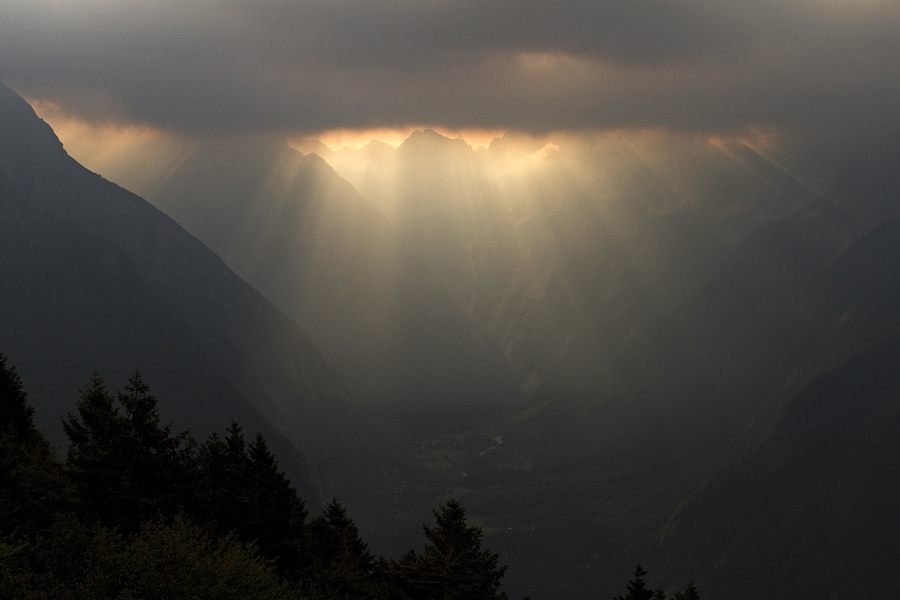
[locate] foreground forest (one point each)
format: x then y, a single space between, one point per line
136 511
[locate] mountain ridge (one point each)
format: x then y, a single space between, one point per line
267 358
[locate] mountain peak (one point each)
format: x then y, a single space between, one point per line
311 146
429 140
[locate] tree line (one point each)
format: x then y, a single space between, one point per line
136 511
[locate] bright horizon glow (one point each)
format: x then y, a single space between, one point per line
139 158
108 138
514 212
336 139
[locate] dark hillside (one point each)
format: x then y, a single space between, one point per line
263 355
699 391
70 300
813 512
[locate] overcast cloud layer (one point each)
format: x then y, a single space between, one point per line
311 65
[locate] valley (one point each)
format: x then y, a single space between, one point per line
599 346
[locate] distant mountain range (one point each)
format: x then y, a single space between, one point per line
687 307
578 255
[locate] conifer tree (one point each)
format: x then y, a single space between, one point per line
234 514
31 488
213 469
245 492
689 593
337 540
637 589
224 483
341 562
16 415
159 463
451 566
277 514
97 462
125 467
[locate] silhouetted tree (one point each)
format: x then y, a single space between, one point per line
244 492
125 467
159 464
16 415
451 566
96 459
637 589
32 490
277 515
341 564
689 593
224 468
212 465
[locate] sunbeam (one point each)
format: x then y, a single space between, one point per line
139 158
575 234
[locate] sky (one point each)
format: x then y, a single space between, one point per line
809 67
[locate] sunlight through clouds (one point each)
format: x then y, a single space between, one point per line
138 157
341 235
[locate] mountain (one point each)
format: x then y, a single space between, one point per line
567 254
71 304
603 270
674 311
660 299
812 512
706 385
97 278
300 234
634 297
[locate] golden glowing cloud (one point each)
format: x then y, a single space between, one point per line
139 158
337 139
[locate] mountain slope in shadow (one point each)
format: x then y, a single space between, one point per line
72 304
795 298
813 511
251 347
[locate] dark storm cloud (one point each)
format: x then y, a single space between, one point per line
529 64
